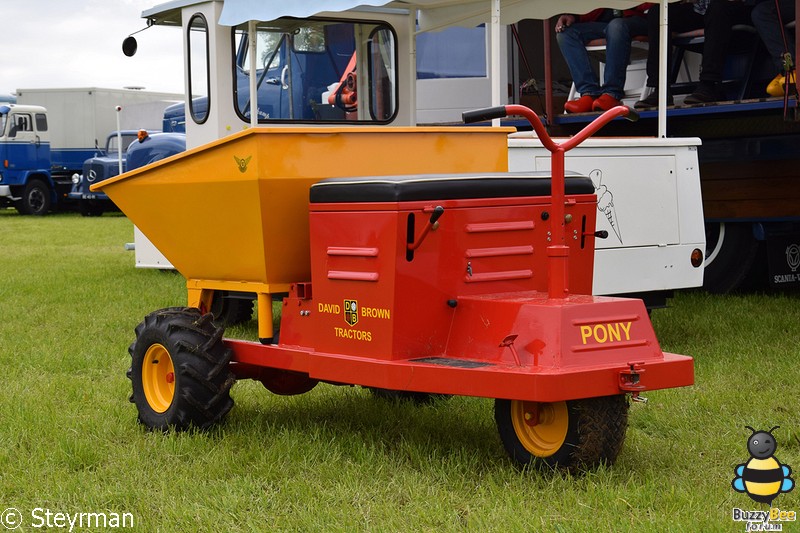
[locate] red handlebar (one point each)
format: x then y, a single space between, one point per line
533 118
558 251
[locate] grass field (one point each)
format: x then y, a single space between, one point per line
337 459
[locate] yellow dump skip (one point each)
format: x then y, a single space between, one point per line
236 210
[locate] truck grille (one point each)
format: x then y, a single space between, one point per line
94 172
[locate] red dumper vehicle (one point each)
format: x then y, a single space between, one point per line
452 278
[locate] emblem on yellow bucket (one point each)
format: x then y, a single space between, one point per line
242 163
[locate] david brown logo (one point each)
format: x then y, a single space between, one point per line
763 478
351 312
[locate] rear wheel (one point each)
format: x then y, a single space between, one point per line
406 396
180 370
230 309
731 250
570 434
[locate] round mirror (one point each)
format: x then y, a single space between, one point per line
129 46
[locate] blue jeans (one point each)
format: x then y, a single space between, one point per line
618 35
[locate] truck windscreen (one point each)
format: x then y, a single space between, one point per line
318 71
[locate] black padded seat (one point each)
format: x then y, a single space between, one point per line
442 187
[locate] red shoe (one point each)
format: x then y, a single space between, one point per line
604 102
581 105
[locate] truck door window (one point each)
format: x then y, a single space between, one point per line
199 79
21 123
24 123
41 122
307 71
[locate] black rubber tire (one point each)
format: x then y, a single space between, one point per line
202 378
35 199
421 398
595 434
228 310
731 251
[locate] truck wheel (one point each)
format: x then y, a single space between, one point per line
229 310
180 370
731 250
573 434
35 199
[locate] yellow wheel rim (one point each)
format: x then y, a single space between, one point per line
158 378
540 427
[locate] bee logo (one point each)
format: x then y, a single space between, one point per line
763 477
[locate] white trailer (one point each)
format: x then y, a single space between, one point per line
82 118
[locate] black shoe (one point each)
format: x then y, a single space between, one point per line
705 93
652 101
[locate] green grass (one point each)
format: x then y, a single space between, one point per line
337 459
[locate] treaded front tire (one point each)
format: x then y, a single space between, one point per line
35 198
573 435
180 370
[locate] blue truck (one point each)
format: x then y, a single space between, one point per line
46 137
102 166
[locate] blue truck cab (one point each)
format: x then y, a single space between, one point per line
139 148
103 165
28 180
154 148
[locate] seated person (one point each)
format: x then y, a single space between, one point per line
618 28
778 44
682 17
718 23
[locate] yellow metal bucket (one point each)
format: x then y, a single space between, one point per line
236 210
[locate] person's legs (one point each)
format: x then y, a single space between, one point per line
682 18
572 42
765 19
719 20
619 33
653 32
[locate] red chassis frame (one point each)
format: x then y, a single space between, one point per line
477 303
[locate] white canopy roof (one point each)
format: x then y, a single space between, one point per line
434 14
